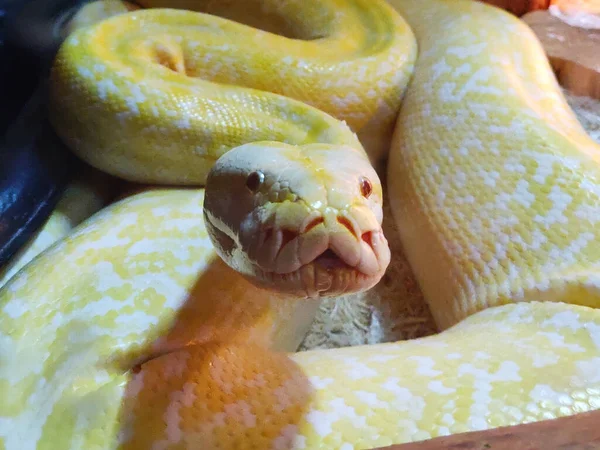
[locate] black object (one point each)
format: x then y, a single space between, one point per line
35 166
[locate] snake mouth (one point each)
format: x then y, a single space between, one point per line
329 260
330 273
327 276
324 257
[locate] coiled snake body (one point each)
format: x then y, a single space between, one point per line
115 336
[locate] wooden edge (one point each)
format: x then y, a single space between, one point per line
519 7
574 53
576 432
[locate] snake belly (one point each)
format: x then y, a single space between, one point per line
69 346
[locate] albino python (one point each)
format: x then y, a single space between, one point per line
134 331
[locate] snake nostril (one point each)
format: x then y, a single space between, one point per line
347 224
313 223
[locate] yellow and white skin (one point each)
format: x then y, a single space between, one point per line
114 337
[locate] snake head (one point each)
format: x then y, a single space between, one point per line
303 220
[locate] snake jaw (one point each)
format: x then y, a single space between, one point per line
329 254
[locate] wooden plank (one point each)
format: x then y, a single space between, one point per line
519 7
574 53
577 432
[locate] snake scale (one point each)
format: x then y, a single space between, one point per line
159 322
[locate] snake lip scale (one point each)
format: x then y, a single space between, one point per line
327 274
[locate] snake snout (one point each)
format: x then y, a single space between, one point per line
330 241
316 252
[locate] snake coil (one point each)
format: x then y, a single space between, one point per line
169 319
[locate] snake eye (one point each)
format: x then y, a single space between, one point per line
365 187
254 181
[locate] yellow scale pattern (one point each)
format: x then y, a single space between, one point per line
132 333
